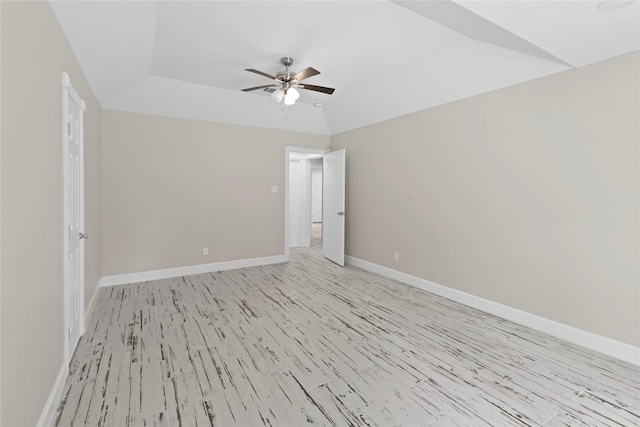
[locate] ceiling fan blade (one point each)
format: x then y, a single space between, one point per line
305 74
327 90
257 87
251 70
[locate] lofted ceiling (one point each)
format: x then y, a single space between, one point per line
187 59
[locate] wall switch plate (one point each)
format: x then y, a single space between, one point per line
274 188
396 256
205 251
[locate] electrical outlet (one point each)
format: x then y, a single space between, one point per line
396 256
205 251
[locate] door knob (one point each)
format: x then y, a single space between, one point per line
83 235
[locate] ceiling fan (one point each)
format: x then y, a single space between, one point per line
288 82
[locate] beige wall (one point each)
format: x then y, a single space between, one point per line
0 214
34 55
527 196
172 186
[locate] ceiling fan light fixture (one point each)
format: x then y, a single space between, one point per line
277 95
291 96
287 83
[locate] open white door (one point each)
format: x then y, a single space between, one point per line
333 189
73 140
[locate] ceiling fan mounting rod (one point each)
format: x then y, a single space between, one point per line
287 61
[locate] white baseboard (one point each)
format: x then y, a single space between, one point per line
92 305
123 279
601 344
47 416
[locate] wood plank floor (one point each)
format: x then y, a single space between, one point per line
309 342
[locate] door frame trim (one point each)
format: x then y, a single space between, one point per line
287 150
69 91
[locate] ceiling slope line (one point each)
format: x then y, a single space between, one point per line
162 96
155 37
122 90
459 19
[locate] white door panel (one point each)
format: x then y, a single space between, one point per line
333 206
74 217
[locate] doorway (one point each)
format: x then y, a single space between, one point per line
316 202
303 198
298 225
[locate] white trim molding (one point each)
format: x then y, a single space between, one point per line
66 80
123 279
92 305
599 343
48 414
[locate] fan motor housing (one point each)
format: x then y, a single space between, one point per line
284 76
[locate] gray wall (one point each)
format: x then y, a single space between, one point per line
527 196
172 186
34 55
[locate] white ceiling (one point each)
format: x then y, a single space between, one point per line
385 59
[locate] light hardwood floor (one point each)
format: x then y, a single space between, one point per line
309 342
316 235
